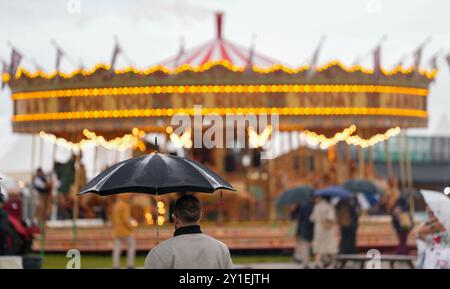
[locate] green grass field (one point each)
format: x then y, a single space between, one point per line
90 261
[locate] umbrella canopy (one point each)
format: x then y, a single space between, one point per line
335 191
440 205
361 186
367 188
156 174
295 195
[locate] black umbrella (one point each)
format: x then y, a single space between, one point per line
156 174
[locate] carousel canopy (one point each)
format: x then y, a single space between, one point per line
219 49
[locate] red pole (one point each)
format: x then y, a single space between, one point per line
219 24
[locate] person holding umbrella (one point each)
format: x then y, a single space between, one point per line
402 221
348 215
305 232
159 174
324 242
189 247
301 198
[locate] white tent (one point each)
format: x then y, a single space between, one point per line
443 127
16 155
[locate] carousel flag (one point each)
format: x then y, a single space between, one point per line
315 56
117 50
377 61
16 57
59 56
433 63
418 55
377 57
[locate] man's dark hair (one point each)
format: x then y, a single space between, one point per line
188 209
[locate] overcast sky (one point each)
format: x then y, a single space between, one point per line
149 31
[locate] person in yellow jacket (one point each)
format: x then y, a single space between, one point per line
123 231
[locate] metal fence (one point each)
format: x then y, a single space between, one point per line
421 149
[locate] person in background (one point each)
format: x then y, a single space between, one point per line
305 233
4 225
43 188
123 231
65 172
403 223
348 215
325 244
393 193
433 244
189 248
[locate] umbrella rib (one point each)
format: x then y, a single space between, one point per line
99 184
216 185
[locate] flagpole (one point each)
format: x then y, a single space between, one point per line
60 53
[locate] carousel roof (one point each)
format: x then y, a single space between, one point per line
219 49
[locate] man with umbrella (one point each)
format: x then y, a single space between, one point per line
159 174
189 247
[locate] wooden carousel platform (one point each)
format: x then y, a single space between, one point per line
374 232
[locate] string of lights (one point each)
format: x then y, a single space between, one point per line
180 141
346 135
159 112
258 140
358 141
323 141
127 141
430 74
202 89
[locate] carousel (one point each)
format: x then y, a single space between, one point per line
325 114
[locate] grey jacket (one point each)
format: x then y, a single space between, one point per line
189 251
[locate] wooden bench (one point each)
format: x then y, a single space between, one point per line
362 259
